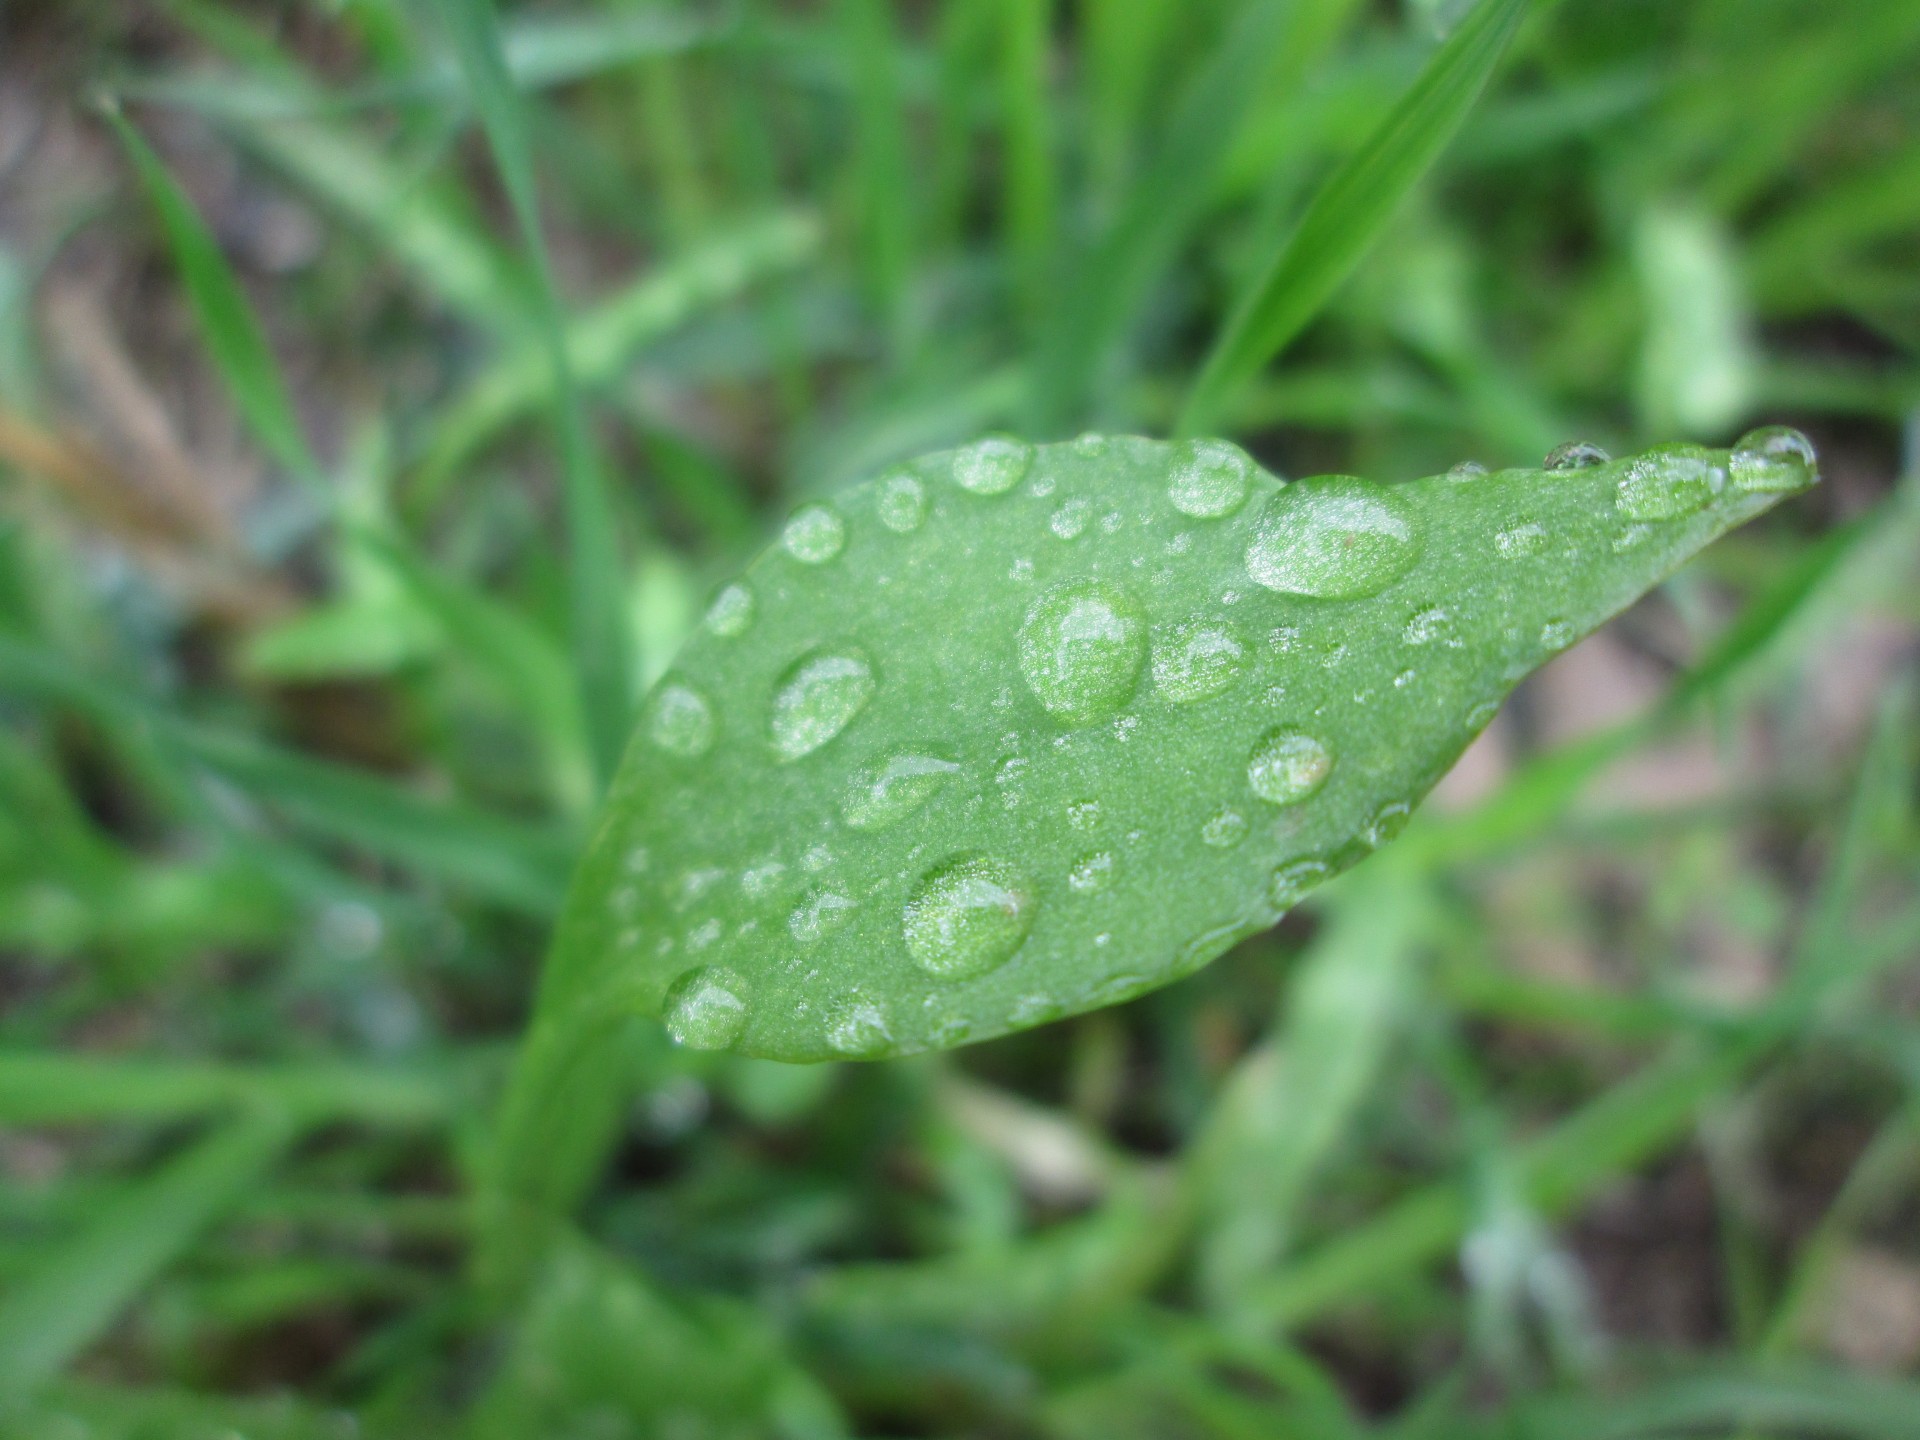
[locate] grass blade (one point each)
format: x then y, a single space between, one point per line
71 1294
1352 209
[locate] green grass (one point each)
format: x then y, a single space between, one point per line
386 388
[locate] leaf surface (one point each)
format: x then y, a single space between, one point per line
1010 733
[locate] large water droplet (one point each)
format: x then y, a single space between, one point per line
1091 873
1520 541
1575 455
1287 766
679 720
821 911
901 501
731 613
1668 482
1773 460
1080 648
893 787
706 1008
1224 829
1209 479
992 466
967 916
1334 537
817 698
1196 659
857 1027
814 534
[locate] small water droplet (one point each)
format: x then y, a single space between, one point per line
1287 766
1007 775
1632 538
992 466
1196 659
893 787
815 534
1071 518
1284 639
1035 1010
1021 569
1404 679
1081 647
857 1027
731 613
1210 478
1333 537
1521 540
1083 814
706 1008
1293 880
967 916
821 911
1387 822
1224 830
1773 460
1669 482
1575 455
816 858
901 502
1091 873
1481 715
758 882
680 721
1557 634
817 698
1431 626
1467 470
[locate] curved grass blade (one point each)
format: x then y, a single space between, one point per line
1009 733
1351 210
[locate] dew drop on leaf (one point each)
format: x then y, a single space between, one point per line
706 1008
1575 455
1387 823
1333 537
1775 459
1467 470
1557 635
1520 541
857 1026
1196 659
1430 626
1287 766
967 916
1210 478
680 721
901 502
893 787
731 613
815 534
821 911
1224 829
1091 873
817 698
1081 647
1070 520
1083 814
1669 482
1295 879
992 466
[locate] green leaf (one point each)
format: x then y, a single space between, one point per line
1351 210
72 1292
1011 733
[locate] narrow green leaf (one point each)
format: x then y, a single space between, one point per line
1352 209
1011 733
884 181
73 1292
597 615
1030 186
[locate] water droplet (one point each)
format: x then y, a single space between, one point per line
706 1008
1557 634
758 882
992 466
1387 822
680 721
731 613
1071 518
1196 659
1334 537
1521 540
1092 444
1091 873
1284 639
1482 715
1405 678
1632 538
893 787
1293 880
1668 482
1081 647
816 858
1036 1010
817 698
1224 830
1021 569
1210 478
1008 775
1773 460
901 502
821 911
815 534
1083 814
1431 626
1467 470
857 1027
966 916
1287 766
1575 455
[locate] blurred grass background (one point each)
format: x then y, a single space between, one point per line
382 395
